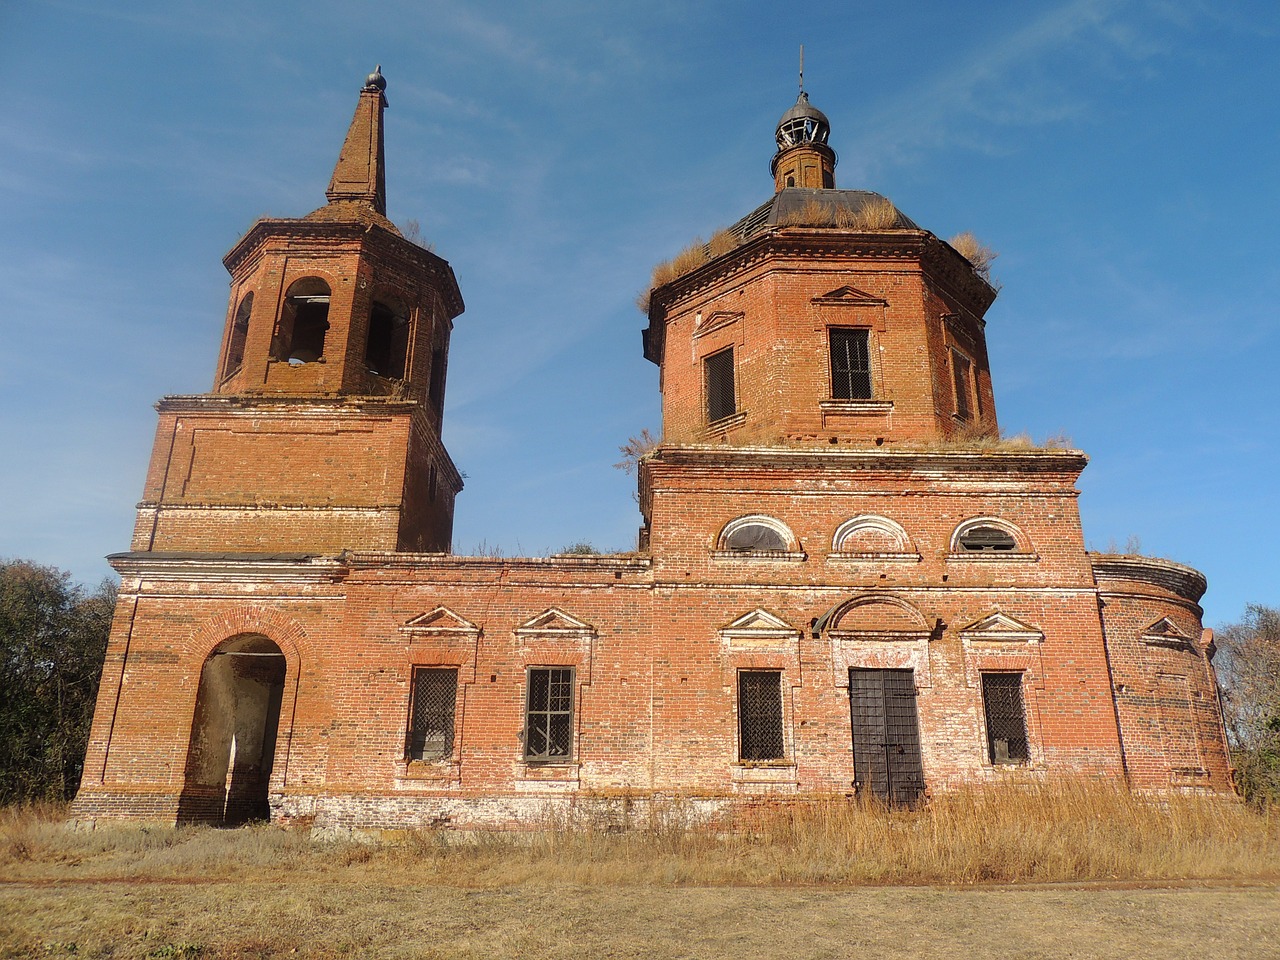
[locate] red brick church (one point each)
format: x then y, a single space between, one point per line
843 586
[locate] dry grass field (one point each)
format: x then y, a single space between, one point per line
1076 871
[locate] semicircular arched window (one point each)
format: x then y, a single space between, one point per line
872 535
986 536
756 534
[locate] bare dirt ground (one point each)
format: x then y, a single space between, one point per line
414 917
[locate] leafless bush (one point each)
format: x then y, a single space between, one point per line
636 449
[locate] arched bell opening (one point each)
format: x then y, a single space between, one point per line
388 339
304 321
233 733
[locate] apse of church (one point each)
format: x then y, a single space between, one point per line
846 583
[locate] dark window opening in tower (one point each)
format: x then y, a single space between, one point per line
388 340
960 367
721 401
850 364
304 321
239 334
791 181
828 181
435 391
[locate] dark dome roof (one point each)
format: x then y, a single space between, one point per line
803 123
798 206
803 108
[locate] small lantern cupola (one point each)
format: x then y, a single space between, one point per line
803 158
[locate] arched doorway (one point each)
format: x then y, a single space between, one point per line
233 733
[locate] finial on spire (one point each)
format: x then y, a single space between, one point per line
360 173
802 69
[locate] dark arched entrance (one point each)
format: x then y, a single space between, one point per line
233 733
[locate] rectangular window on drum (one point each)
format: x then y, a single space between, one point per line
960 372
718 374
850 364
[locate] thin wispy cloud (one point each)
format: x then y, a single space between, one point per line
981 99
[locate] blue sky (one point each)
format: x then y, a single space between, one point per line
1123 157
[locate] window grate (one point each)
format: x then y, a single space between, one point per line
549 714
760 715
1006 717
721 402
435 695
753 537
850 364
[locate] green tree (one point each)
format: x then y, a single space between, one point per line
53 635
1248 666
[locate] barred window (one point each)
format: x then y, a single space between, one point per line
760 715
548 729
960 371
850 364
435 695
718 370
1006 717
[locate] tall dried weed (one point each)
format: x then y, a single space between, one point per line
979 255
1064 831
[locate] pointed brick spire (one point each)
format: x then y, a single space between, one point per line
360 173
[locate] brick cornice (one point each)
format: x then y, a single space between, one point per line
368 560
223 567
949 462
813 244
1178 578
286 405
380 239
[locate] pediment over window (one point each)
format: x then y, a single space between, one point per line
555 622
1165 633
715 321
758 625
848 296
877 618
441 621
1001 628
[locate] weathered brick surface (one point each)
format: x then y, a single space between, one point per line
311 504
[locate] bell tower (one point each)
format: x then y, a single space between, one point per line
322 431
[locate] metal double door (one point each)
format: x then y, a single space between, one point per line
886 734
